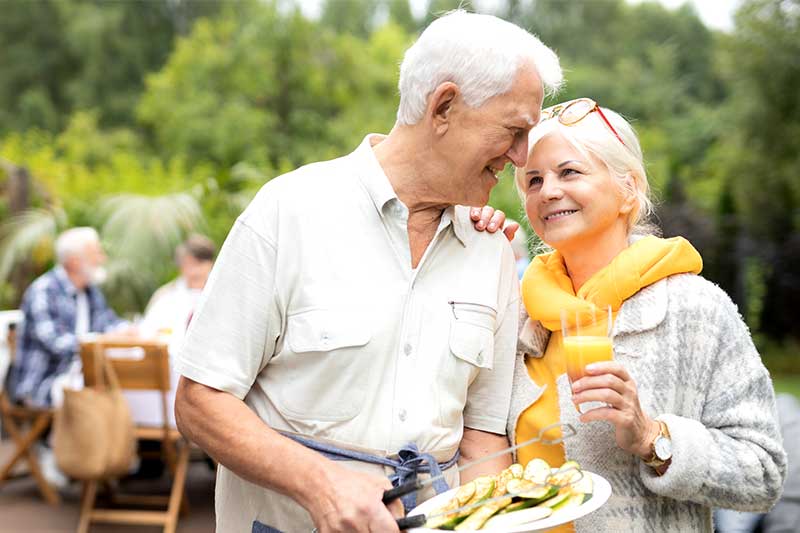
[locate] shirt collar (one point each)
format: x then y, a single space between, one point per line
381 192
371 173
63 279
462 224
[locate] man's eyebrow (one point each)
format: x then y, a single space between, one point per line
532 171
525 119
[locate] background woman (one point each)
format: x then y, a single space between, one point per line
686 381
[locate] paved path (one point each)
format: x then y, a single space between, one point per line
22 510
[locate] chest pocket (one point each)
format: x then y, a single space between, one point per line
326 367
471 344
472 329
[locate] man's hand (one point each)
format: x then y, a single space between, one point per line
338 499
490 219
351 501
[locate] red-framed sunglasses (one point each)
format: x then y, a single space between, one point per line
572 112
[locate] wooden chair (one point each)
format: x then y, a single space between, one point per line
149 372
25 426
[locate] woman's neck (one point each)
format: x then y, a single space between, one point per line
583 260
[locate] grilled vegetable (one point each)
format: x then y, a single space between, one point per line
502 522
517 496
537 470
473 492
484 513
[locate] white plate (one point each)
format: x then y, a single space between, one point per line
602 491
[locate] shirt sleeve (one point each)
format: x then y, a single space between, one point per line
732 457
47 326
233 332
489 396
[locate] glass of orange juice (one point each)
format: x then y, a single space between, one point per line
586 339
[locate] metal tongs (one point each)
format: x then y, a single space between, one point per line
567 431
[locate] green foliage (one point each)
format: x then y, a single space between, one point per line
278 89
60 56
148 119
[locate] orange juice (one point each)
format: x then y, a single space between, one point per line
582 350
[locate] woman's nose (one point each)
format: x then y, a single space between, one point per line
551 189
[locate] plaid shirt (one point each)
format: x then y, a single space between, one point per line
47 343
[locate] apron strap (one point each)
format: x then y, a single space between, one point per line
409 463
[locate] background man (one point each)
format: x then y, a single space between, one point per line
60 306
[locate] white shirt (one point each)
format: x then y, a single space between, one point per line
166 317
82 317
314 317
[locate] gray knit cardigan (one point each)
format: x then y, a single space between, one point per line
696 368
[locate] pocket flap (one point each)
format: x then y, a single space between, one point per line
323 330
473 344
472 333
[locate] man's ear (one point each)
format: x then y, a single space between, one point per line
440 105
629 197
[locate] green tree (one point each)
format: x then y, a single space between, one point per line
59 56
271 89
35 61
354 17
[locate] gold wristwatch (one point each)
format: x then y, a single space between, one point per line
660 449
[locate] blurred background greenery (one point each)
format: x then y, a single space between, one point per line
151 119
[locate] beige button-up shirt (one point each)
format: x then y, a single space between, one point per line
314 317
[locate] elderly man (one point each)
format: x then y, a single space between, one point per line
59 307
376 343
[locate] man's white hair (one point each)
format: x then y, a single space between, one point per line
480 53
73 242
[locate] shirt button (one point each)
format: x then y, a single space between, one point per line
407 349
402 415
479 359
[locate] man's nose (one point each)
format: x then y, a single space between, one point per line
518 153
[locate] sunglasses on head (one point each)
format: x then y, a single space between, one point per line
572 112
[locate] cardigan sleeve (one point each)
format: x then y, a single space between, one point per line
732 457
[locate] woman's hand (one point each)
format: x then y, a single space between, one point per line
489 219
610 383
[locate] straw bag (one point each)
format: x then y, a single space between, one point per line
93 433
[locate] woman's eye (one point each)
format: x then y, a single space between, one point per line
569 172
535 181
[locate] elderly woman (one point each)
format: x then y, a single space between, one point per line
687 416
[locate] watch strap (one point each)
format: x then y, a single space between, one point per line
653 461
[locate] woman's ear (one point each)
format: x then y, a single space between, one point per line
630 200
440 105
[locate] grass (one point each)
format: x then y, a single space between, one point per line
787 383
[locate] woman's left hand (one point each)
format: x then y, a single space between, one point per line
610 383
490 219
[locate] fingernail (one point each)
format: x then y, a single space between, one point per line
591 366
492 226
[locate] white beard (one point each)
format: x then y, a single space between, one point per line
98 275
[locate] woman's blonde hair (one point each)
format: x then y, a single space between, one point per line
592 136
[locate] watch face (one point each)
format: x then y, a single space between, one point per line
663 448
